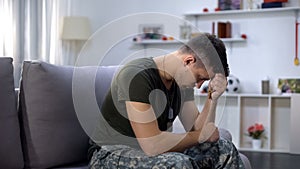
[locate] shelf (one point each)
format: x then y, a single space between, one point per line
149 42
145 42
249 95
233 40
264 150
230 12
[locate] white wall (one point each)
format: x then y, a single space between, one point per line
269 50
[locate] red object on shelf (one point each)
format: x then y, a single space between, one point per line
296 45
296 60
267 1
244 36
205 10
164 38
217 9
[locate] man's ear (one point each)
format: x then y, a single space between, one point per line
188 59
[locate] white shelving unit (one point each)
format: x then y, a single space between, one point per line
231 14
227 13
162 42
235 12
294 124
236 112
278 113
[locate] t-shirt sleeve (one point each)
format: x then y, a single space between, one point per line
188 94
133 86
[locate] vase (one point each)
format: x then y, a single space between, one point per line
256 144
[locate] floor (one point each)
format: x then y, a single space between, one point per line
265 160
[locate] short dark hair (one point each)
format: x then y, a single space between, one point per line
210 50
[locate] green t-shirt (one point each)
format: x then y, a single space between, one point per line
139 81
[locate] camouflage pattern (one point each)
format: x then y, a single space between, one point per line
221 154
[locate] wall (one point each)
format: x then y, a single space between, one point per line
269 50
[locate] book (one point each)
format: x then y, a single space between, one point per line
271 5
230 4
267 1
224 30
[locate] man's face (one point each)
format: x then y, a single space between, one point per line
192 76
201 75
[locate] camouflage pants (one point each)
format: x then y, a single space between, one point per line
221 154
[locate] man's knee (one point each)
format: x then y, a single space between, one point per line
226 146
177 160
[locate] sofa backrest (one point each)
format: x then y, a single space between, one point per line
51 131
10 144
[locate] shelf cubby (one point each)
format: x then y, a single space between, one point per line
236 112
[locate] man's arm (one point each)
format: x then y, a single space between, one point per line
207 115
151 139
217 86
193 120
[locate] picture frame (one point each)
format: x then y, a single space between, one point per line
289 85
230 4
151 31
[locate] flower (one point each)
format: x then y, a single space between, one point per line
256 131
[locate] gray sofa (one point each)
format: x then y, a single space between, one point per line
39 127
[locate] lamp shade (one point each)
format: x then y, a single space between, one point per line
76 28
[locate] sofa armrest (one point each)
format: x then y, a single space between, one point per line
225 134
245 161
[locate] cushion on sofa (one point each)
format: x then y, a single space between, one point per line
55 106
90 86
10 142
51 133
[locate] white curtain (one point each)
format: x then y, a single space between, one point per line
42 27
30 30
8 29
10 33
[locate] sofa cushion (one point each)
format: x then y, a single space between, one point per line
89 88
51 133
54 103
10 142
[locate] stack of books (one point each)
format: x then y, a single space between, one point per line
273 3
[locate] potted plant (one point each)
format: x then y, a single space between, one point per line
256 132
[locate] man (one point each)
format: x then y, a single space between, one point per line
147 95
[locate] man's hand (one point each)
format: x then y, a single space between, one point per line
217 86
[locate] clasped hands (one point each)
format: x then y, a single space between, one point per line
217 86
